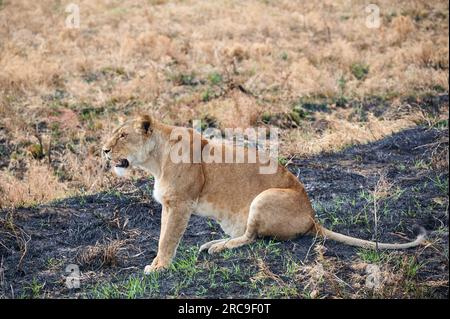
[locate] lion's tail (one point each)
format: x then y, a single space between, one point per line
352 241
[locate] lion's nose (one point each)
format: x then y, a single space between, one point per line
106 151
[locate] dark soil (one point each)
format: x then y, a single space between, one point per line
113 235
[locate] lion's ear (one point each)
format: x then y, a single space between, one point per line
144 124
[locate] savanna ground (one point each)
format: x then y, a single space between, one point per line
363 119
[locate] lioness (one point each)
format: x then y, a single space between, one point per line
246 204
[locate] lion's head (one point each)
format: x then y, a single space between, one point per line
129 144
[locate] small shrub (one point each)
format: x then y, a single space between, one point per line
215 78
359 70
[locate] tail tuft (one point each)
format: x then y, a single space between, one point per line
420 231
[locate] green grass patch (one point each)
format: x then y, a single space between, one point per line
215 78
372 256
35 288
359 70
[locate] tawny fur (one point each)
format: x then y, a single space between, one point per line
244 202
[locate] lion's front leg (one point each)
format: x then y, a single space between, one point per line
174 221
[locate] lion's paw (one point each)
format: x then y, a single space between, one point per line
153 268
216 248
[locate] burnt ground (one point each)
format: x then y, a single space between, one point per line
111 236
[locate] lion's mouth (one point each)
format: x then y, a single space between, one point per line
122 163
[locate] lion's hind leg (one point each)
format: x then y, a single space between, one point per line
277 212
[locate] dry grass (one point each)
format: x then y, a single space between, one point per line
439 153
38 185
100 255
63 89
341 133
393 276
13 237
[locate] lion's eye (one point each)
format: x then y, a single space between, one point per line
122 135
